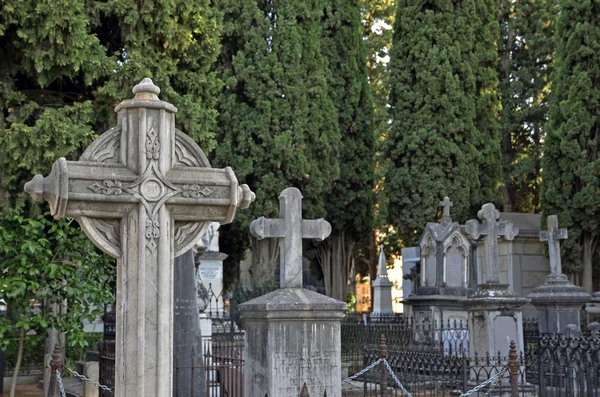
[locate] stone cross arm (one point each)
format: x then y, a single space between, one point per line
292 229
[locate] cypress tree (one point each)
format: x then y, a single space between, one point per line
571 165
350 204
441 141
278 126
526 49
65 64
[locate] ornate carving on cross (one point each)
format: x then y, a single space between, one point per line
291 228
446 204
144 193
553 236
491 228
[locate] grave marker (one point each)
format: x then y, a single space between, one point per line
293 340
143 192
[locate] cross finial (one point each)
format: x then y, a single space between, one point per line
553 236
292 229
446 204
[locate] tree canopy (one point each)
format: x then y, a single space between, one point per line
571 165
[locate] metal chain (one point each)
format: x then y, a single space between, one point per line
494 380
362 372
60 384
396 378
88 380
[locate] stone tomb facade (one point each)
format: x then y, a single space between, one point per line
144 193
446 276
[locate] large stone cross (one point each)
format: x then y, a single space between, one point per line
144 193
292 229
491 228
446 204
553 237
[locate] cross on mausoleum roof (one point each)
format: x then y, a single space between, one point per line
446 204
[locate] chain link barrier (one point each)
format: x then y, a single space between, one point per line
362 372
82 377
396 378
60 384
492 382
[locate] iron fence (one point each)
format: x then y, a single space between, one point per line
107 366
449 338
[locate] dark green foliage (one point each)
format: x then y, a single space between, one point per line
350 206
571 165
65 64
443 136
37 256
277 124
526 49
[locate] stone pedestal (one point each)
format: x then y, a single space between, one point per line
293 343
559 303
495 318
382 290
210 270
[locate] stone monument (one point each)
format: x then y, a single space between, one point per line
187 337
446 275
382 290
495 312
143 192
558 301
293 340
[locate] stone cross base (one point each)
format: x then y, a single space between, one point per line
495 318
559 303
293 344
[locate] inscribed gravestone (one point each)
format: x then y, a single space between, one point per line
143 192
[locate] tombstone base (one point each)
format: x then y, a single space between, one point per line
293 341
559 303
495 318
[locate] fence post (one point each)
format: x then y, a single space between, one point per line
55 366
513 368
382 368
1 372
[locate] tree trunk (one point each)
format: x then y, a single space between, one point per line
335 257
508 190
265 255
13 387
587 256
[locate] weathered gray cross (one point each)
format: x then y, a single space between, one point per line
553 236
143 192
492 229
446 204
292 229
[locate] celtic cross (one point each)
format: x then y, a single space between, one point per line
144 193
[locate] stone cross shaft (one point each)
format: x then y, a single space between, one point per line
291 228
553 236
144 193
491 228
446 204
